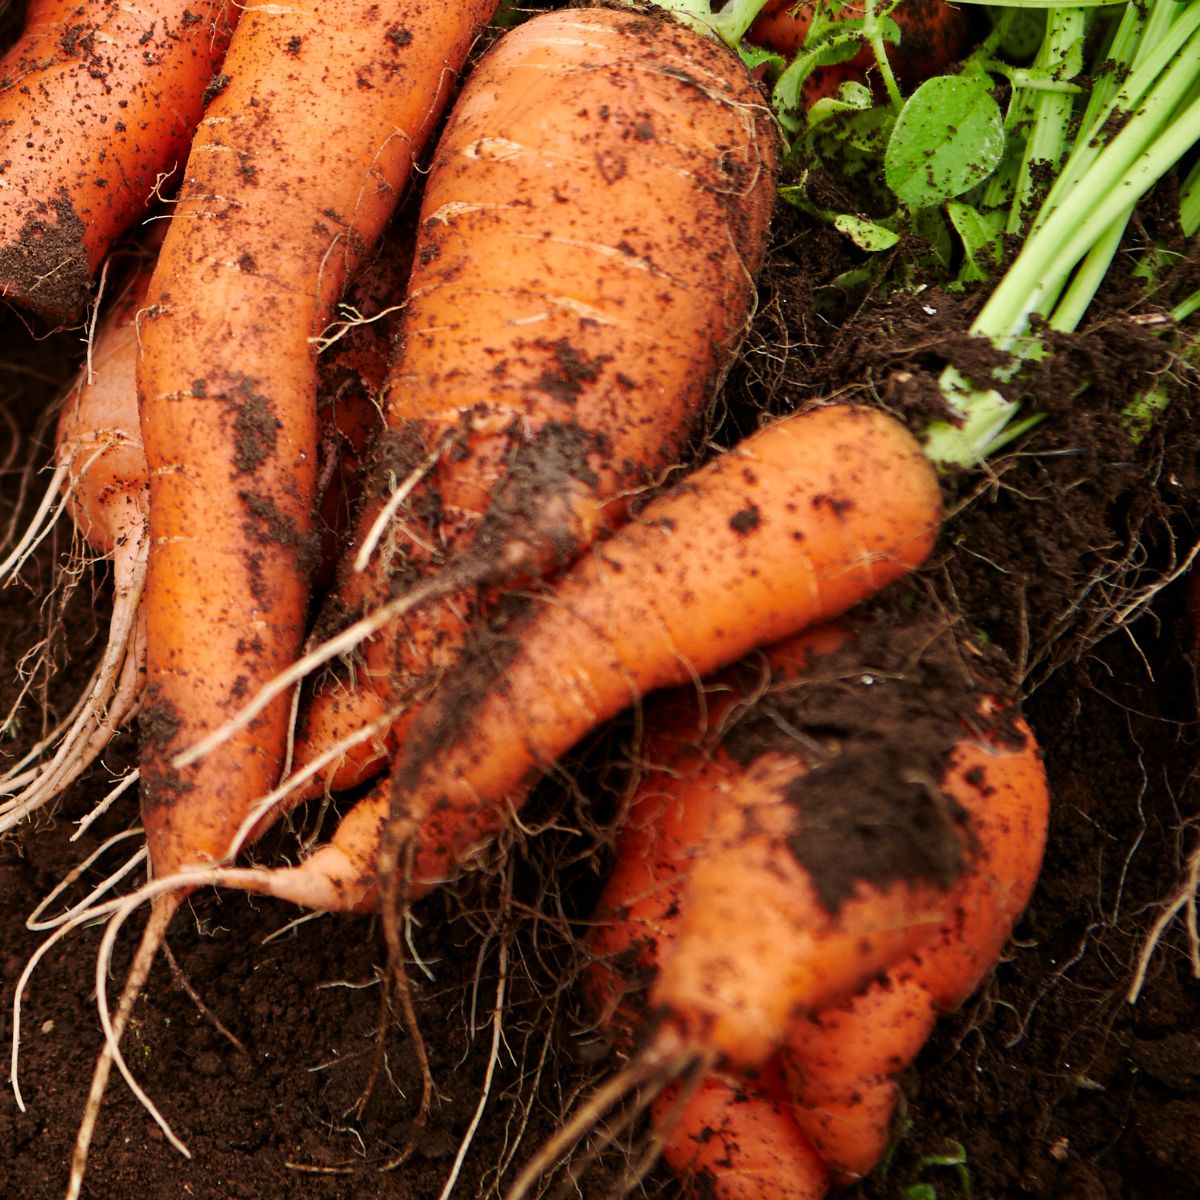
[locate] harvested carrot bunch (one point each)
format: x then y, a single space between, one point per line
793 526
525 546
597 349
620 392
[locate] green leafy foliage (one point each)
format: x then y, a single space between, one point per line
866 235
1039 143
980 241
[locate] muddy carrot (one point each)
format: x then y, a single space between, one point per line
792 527
98 104
309 137
709 936
592 223
295 169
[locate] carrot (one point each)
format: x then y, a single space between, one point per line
668 821
842 1061
592 223
294 171
690 916
103 475
795 525
98 103
730 1141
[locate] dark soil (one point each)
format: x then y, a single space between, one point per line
1048 1084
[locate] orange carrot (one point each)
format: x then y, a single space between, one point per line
98 102
294 171
795 525
730 1141
312 133
592 222
841 1062
689 932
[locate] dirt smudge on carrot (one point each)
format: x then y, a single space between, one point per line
256 428
878 720
266 525
572 369
746 520
47 260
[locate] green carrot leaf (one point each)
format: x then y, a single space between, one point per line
980 239
948 137
851 97
866 235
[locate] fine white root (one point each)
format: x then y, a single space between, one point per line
53 505
111 699
39 924
299 778
110 798
1185 901
493 1054
643 1077
161 912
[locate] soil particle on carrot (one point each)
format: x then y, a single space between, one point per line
256 428
46 260
158 722
745 520
539 472
216 86
572 369
879 719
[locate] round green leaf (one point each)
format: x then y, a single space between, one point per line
947 138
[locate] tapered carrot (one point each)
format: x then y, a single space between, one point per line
98 103
697 935
294 171
592 223
794 526
104 479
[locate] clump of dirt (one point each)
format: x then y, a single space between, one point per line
1070 531
877 719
